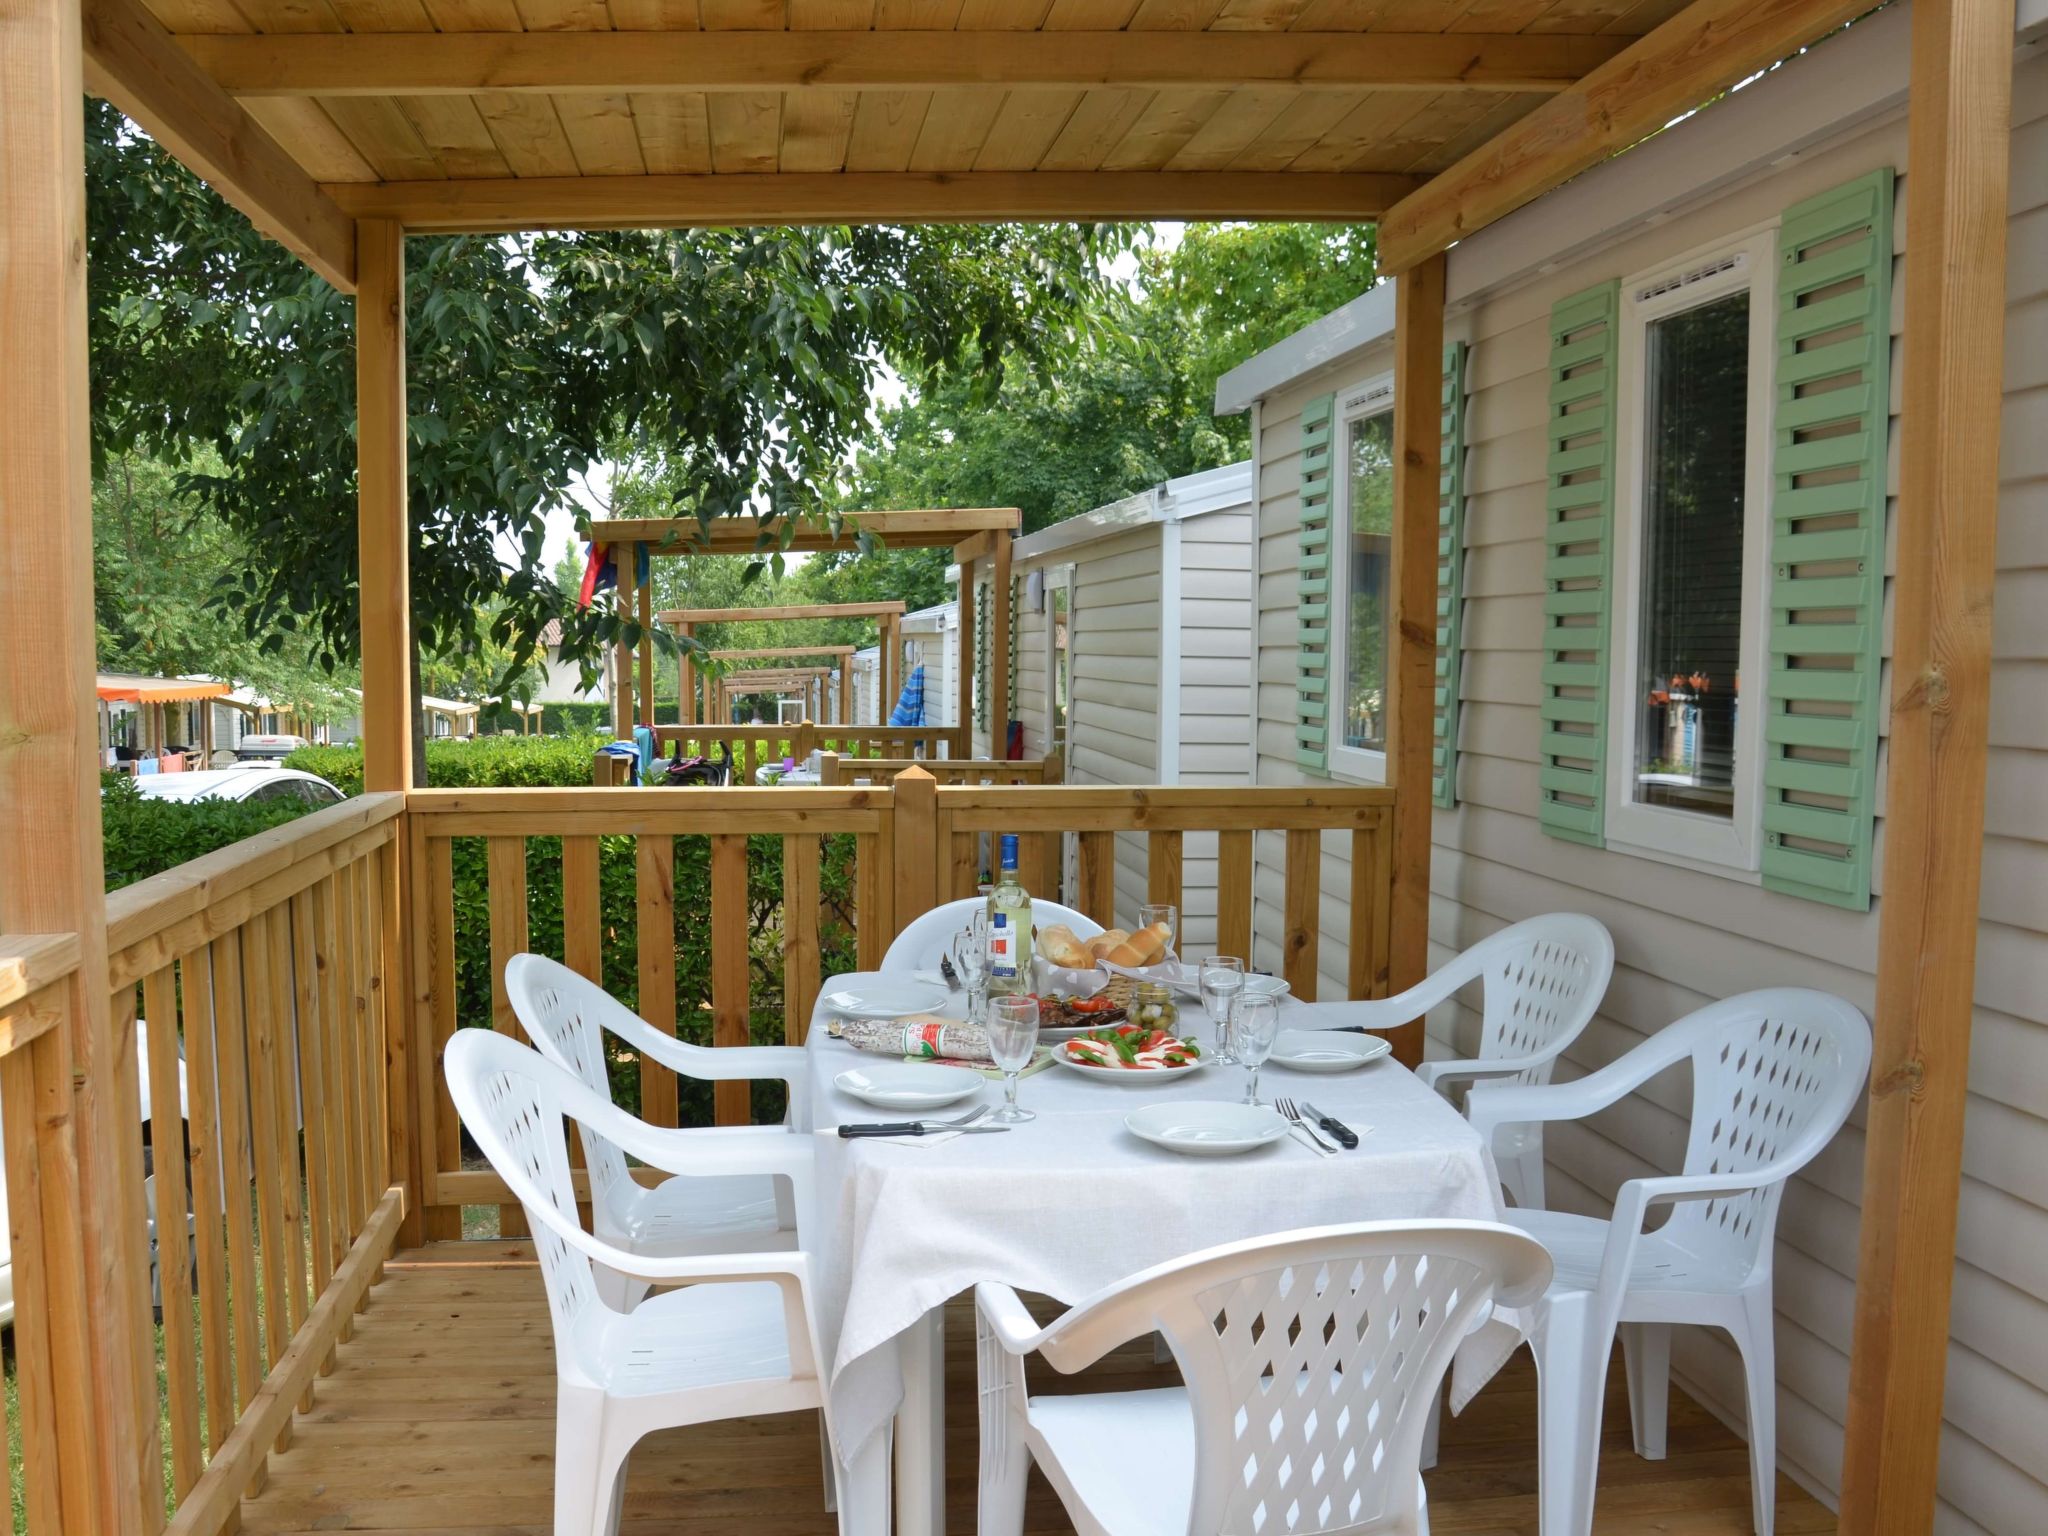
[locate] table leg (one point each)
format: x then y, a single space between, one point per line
921 1428
863 1488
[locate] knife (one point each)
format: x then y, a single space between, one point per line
1334 1126
918 1128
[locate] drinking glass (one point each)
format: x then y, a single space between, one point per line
1221 979
1162 912
1012 1037
1254 1023
970 959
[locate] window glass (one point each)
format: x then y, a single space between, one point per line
271 793
1696 382
1369 471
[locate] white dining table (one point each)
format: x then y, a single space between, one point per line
1067 1204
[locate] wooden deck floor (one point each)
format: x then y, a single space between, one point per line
439 1421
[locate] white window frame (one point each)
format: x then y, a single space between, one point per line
1730 846
1369 397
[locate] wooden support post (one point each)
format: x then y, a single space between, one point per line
96 1317
385 614
1418 443
645 614
914 806
999 638
846 690
623 713
686 679
1958 148
965 681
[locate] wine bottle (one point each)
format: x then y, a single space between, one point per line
1009 929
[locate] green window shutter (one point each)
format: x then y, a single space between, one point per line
1578 532
1829 423
1450 576
1314 686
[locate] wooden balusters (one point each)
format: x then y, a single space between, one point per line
1372 853
730 1014
1302 915
1234 894
655 888
167 1148
204 1141
1163 868
1097 895
800 954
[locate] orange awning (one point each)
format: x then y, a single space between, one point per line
156 690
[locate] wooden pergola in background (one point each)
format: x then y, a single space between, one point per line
971 532
685 621
340 128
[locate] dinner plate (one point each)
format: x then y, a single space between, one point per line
886 999
908 1085
1326 1050
1205 1129
1127 1075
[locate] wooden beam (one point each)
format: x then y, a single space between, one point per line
923 528
784 650
134 63
1958 148
494 205
84 1337
1704 49
462 63
1411 637
781 613
382 533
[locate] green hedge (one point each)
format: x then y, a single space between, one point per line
488 762
145 837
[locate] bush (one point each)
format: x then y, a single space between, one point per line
145 837
488 762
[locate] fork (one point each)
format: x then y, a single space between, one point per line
1289 1110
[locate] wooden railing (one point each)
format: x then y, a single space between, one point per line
835 768
753 896
753 745
260 973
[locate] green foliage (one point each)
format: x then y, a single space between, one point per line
747 355
145 837
488 762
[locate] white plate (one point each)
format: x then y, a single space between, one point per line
1129 1075
886 999
1259 984
1326 1050
1204 1129
908 1085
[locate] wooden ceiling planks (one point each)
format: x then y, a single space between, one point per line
525 130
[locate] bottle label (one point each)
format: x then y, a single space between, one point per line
1002 948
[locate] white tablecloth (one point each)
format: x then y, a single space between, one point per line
1073 1201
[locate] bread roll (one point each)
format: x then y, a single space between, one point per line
1103 943
1152 940
1058 944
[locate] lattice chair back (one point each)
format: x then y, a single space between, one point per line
1311 1361
1543 979
566 1015
514 1114
1774 1075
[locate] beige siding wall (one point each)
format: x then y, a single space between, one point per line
1215 691
936 647
1685 937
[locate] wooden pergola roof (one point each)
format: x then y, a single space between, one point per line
924 529
1432 115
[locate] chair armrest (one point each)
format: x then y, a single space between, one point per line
729 1063
1490 1105
1439 1074
712 1153
1008 1320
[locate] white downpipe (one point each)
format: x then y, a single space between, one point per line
1169 640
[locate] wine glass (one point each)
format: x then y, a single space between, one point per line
1012 1037
1254 1023
1162 912
1221 979
970 959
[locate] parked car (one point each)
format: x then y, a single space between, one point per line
250 781
267 748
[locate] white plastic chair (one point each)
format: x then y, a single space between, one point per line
919 946
566 1016
1543 978
1774 1075
739 1338
1308 1357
